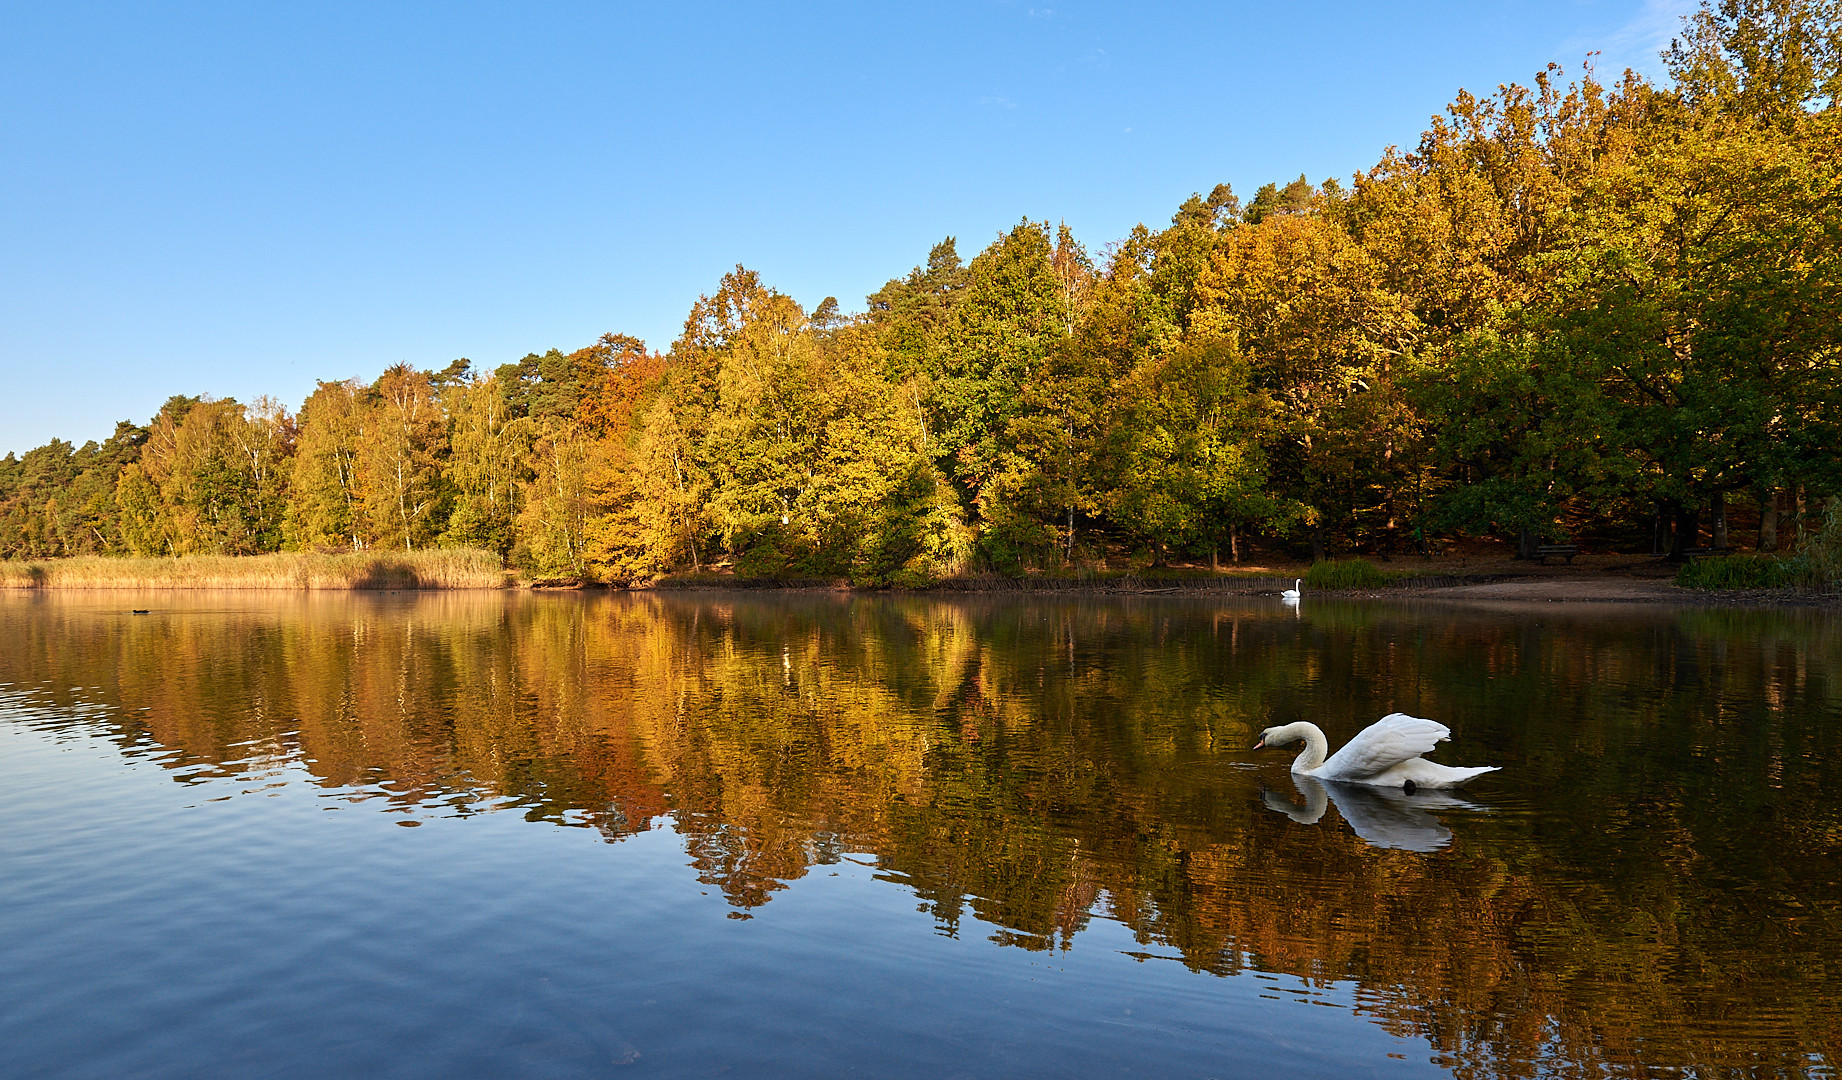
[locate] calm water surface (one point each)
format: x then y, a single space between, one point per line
736 835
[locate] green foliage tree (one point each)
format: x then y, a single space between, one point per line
914 314
1187 468
1703 295
58 500
218 474
326 506
1526 425
33 507
1012 313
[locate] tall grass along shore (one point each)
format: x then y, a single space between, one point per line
443 568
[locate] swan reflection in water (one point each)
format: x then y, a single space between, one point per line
1382 817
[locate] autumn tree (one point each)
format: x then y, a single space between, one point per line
1303 305
326 503
400 461
488 460
1776 60
559 503
814 465
579 420
672 473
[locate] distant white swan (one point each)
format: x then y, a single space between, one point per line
1385 754
1292 593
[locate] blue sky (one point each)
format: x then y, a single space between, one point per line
241 199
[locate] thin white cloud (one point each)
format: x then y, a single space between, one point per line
1639 43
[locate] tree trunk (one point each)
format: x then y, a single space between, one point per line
1525 543
1234 545
1688 530
1659 533
1718 510
1768 518
1317 543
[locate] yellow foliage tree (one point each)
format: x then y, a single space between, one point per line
400 460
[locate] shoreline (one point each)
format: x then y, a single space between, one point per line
1486 578
1595 590
1526 592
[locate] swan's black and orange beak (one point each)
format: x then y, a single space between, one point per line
1259 744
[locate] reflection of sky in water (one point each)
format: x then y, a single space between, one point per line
909 836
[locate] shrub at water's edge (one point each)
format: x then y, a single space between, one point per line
443 568
1816 564
1738 572
1346 574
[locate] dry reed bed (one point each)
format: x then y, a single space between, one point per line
445 568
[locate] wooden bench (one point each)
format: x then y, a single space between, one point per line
1567 551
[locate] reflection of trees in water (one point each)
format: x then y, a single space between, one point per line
1673 898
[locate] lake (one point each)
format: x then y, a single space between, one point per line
812 834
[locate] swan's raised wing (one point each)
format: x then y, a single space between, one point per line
1382 745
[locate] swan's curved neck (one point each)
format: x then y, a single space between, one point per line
1316 746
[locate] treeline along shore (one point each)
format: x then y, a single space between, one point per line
1577 312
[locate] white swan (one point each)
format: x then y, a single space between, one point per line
1292 593
1385 754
